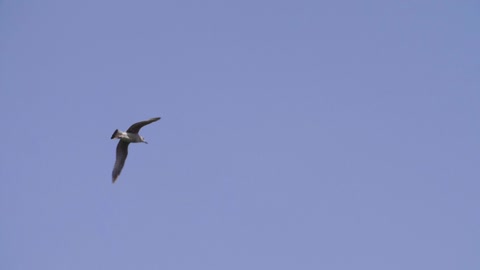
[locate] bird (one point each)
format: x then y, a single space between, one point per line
130 136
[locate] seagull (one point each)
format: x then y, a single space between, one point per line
130 136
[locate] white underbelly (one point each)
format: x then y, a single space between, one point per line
130 137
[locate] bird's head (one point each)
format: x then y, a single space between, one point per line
143 140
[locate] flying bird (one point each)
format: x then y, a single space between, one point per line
130 136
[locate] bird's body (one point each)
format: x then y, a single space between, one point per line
127 137
130 136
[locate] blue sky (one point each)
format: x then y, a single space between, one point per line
294 135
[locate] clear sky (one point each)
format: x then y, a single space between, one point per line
303 135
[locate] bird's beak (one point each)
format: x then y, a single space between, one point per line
145 142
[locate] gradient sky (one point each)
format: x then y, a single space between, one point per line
303 135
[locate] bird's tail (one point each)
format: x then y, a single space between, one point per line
115 134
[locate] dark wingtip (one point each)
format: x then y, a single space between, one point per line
114 133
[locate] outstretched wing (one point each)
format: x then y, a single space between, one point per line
122 152
135 128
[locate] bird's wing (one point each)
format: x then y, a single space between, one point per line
135 128
122 152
